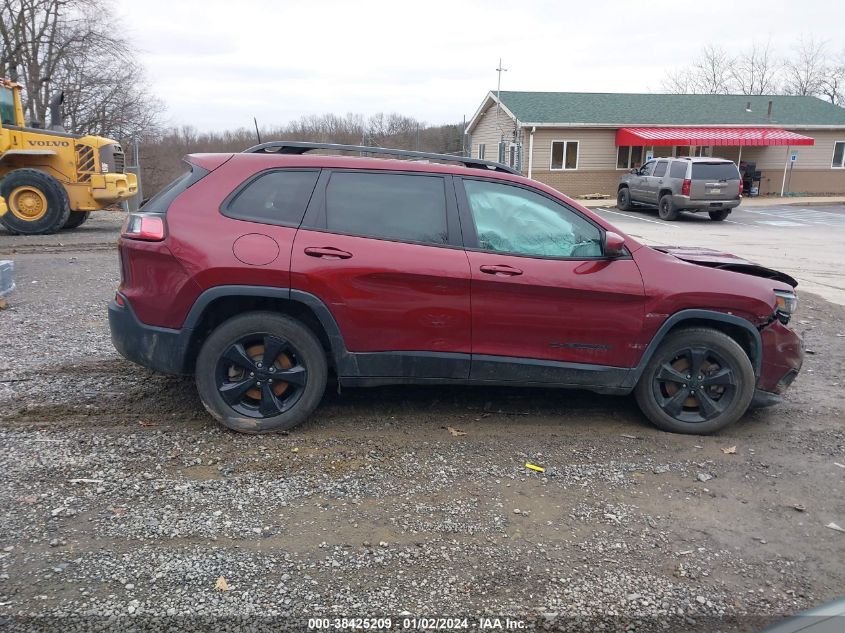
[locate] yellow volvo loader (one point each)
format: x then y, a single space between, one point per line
51 179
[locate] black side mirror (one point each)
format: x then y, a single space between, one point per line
613 245
635 171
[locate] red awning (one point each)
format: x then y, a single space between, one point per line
754 136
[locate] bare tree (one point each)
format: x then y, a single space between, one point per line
806 68
710 73
756 71
833 83
75 46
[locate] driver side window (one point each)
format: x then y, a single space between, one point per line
514 220
646 169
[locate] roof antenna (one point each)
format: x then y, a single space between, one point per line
257 133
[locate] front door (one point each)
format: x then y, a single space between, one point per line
546 306
382 251
639 182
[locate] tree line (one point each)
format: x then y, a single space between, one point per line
161 153
808 67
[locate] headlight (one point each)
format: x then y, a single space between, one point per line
785 305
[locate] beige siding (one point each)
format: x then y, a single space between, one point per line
490 134
596 148
817 156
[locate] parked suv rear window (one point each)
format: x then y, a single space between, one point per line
276 197
388 206
678 170
714 171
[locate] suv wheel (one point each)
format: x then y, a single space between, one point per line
698 381
261 372
623 199
666 209
719 215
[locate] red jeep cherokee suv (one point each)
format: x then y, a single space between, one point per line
262 271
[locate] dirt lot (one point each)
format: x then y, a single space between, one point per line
122 499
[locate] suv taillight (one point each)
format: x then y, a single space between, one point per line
740 187
143 226
685 187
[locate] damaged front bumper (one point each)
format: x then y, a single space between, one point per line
782 358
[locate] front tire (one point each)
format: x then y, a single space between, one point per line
623 199
698 382
38 204
718 216
261 372
666 209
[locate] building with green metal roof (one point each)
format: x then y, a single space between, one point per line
580 143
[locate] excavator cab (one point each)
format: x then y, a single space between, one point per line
51 179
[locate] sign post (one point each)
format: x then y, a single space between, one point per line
790 158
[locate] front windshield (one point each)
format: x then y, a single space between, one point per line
7 106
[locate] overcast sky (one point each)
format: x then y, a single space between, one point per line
218 63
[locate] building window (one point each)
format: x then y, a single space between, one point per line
701 150
481 148
628 157
838 161
564 155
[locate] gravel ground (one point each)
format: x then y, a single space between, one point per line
123 504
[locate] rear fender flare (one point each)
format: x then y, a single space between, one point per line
345 362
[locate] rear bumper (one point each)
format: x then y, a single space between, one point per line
684 202
160 349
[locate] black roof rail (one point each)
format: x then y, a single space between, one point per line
298 147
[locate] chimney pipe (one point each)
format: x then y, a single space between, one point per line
769 113
56 111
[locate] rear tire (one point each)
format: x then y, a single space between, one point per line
261 372
76 219
718 216
38 204
623 199
666 208
698 382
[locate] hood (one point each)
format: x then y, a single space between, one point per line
724 261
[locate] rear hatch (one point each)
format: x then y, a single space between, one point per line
715 181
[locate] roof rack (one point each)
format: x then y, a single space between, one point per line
297 147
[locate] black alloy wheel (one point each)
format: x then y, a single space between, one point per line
695 386
260 376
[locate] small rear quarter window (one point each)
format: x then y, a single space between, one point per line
678 170
274 197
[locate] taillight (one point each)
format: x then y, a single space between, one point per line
143 226
685 187
740 186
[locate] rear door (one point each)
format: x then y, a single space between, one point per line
714 181
382 250
656 181
546 306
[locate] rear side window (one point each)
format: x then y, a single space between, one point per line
387 206
660 170
714 171
678 170
160 202
275 197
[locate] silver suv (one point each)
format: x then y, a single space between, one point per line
683 184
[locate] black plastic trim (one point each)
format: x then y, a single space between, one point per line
694 314
160 349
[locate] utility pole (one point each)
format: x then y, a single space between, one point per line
501 69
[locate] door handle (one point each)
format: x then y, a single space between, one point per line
500 269
329 252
